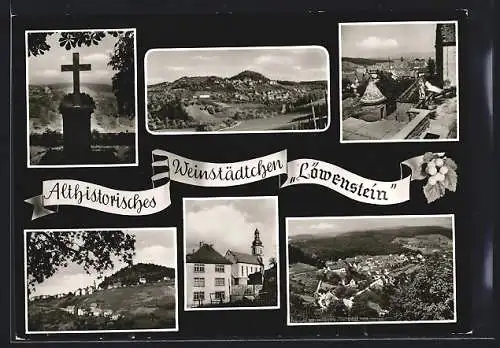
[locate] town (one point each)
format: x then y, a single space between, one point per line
216 103
399 98
353 289
94 309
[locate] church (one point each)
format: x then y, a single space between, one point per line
212 278
245 264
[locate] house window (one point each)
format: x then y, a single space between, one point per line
219 268
247 269
220 295
199 268
199 296
199 282
219 282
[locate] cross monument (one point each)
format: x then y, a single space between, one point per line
76 67
76 109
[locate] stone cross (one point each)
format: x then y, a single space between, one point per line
76 67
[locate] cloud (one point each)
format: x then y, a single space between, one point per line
205 58
154 80
156 254
175 68
374 42
95 57
273 59
48 73
322 226
205 226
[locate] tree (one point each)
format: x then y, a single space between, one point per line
431 67
121 59
272 261
426 294
47 252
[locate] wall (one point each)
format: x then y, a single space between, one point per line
449 64
243 276
210 287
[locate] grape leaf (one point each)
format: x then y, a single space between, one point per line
428 156
450 164
434 192
450 180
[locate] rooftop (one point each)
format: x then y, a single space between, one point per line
206 254
246 258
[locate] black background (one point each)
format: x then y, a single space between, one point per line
376 161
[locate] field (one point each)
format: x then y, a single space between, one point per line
150 306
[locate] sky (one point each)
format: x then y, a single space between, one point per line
387 40
152 246
46 68
231 223
335 226
286 63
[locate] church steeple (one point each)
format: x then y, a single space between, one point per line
257 247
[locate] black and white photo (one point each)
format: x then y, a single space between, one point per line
81 98
371 269
101 280
231 253
237 89
399 81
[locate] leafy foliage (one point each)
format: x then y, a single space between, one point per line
121 60
130 275
434 191
426 294
49 251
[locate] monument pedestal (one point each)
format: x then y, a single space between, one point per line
77 136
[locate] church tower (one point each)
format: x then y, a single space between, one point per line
257 247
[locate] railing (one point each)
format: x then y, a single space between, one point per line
417 126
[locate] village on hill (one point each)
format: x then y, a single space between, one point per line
107 304
373 286
101 280
211 103
407 97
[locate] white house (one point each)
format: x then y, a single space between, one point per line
142 280
243 264
208 277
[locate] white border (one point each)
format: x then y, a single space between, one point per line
378 322
28 157
166 132
172 230
371 141
255 308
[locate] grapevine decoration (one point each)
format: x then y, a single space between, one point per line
441 175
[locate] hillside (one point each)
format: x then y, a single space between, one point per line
364 61
376 242
247 74
131 274
146 306
44 113
198 102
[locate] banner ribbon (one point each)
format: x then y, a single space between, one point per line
175 168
